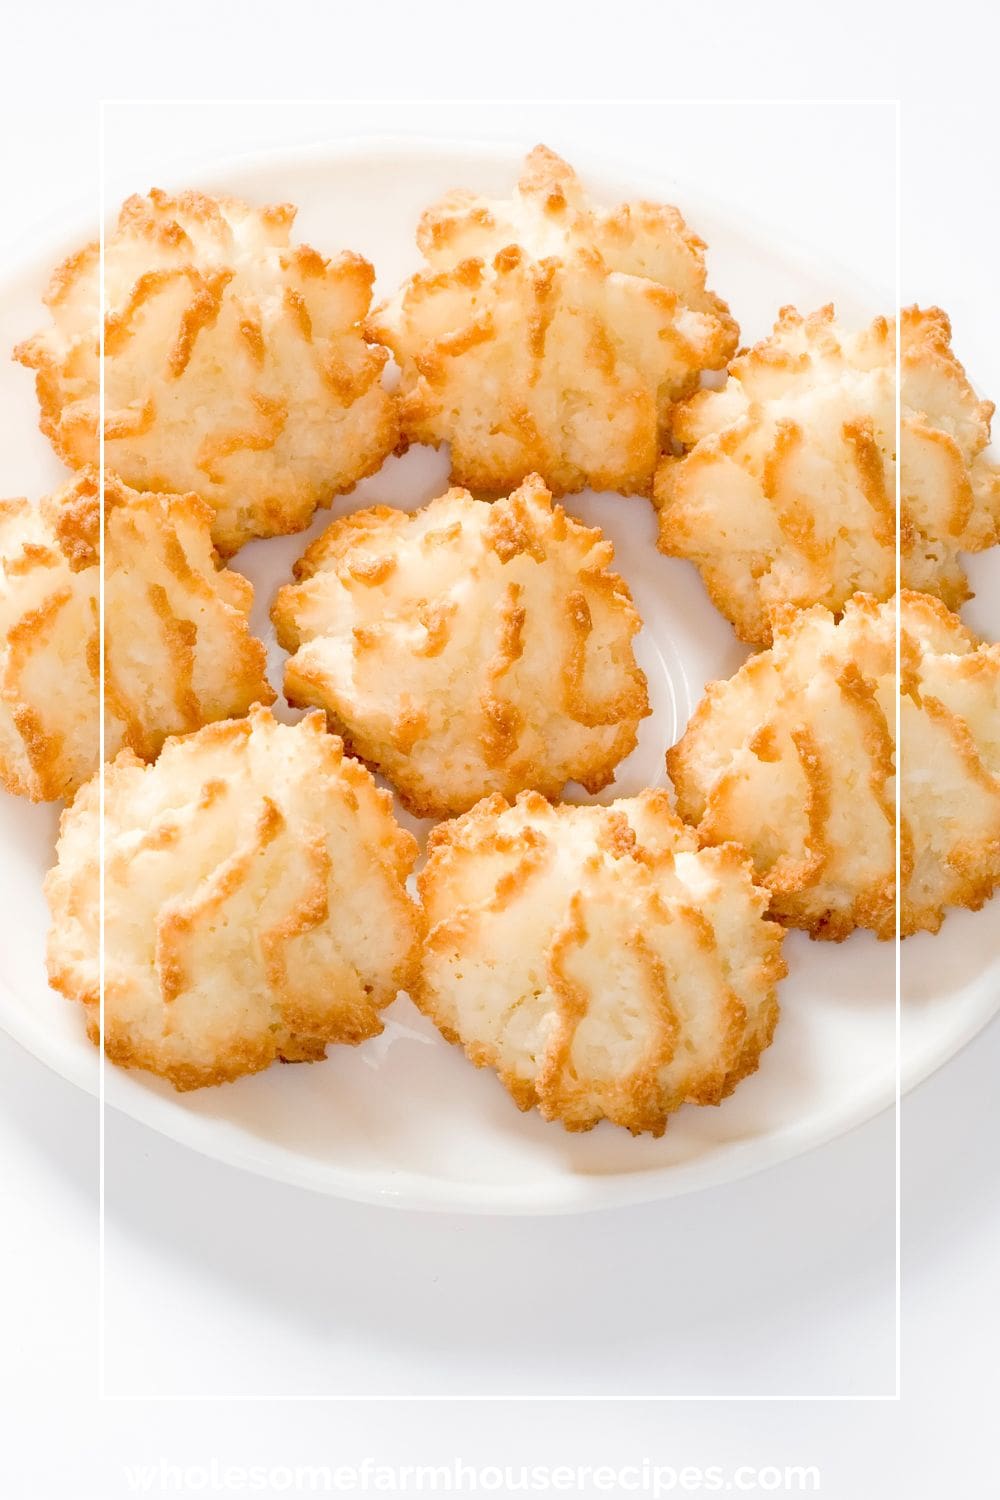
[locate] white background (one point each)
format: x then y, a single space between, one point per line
782 1278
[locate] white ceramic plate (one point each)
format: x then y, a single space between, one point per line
405 1119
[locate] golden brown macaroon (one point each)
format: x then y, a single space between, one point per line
949 765
794 758
550 335
178 648
235 362
467 648
786 493
255 902
949 489
601 962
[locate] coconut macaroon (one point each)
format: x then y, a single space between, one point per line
547 334
794 758
467 648
178 648
949 764
597 959
235 362
949 488
255 902
786 493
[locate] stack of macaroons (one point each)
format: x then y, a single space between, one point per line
610 962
